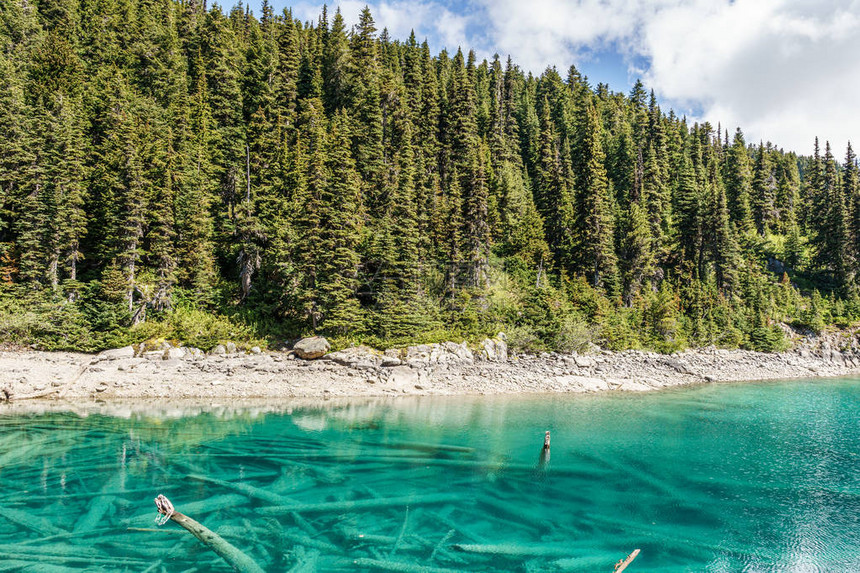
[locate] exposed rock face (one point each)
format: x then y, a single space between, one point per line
444 353
311 348
356 357
494 350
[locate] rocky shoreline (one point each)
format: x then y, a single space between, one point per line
436 369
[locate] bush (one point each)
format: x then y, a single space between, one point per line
524 339
198 328
575 335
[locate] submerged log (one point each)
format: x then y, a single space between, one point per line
514 549
399 566
238 560
38 524
359 504
98 507
248 490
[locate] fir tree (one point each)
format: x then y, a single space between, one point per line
596 227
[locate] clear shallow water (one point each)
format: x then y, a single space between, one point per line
723 478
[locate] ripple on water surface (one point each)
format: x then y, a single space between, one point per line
723 478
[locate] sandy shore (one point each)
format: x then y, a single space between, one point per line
117 375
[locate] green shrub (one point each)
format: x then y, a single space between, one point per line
197 328
767 339
524 339
575 335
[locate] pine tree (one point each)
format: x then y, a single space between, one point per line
366 112
845 258
336 65
738 180
637 258
764 189
340 221
688 218
596 229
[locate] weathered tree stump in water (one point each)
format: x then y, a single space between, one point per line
238 560
543 460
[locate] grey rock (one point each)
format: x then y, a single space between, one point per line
231 348
173 354
676 366
311 348
494 350
389 361
193 353
219 350
116 353
256 350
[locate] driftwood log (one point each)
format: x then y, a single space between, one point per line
238 560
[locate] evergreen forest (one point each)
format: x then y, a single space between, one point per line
175 171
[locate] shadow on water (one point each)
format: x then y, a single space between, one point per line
754 477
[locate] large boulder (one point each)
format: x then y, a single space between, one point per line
173 354
117 353
311 348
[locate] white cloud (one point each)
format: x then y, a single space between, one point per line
441 26
782 70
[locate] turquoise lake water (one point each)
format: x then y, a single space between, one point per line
722 478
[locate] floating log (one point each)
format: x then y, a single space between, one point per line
622 565
359 504
238 560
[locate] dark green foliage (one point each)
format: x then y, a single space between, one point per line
172 172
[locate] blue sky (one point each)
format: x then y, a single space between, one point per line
785 71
